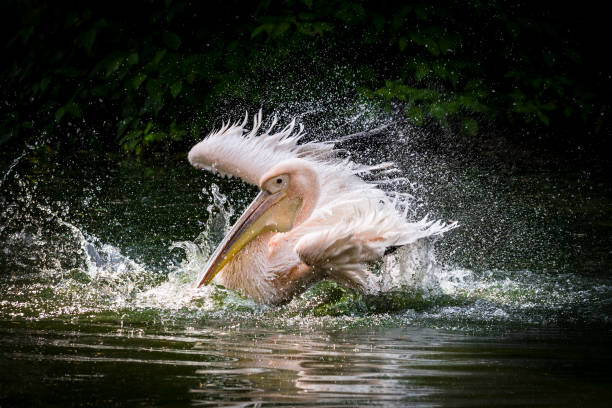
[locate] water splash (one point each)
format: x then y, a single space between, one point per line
409 267
67 272
15 163
221 205
52 267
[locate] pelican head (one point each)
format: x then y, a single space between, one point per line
288 194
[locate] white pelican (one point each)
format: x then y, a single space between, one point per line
314 217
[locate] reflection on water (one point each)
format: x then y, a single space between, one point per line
47 364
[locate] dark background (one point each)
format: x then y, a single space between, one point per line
515 83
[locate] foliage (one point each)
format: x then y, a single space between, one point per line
135 71
327 298
158 73
458 62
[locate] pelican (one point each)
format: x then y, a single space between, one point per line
314 218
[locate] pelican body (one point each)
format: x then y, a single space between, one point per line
314 217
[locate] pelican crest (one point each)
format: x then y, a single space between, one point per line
315 217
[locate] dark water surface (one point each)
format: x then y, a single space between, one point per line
97 308
96 364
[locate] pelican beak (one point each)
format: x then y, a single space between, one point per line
268 212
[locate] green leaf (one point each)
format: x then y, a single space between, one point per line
123 125
438 110
378 21
87 40
542 117
260 29
131 140
138 79
176 88
171 40
470 126
132 59
470 103
153 137
70 108
415 114
73 109
400 17
154 88
448 43
281 29
159 55
112 63
44 83
176 132
59 114
421 12
421 71
432 46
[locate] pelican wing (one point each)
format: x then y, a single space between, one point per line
249 154
340 257
341 238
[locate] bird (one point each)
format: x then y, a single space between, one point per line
316 216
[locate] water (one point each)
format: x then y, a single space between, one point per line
99 253
102 364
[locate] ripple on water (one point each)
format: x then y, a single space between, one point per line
243 366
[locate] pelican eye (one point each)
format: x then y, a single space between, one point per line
276 184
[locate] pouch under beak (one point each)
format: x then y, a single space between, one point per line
268 212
